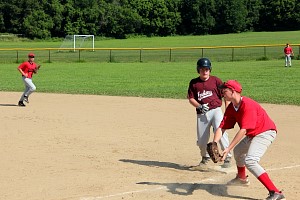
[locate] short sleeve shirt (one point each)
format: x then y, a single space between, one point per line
28 68
206 91
288 50
250 116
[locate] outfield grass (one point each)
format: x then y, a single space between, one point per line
265 81
249 38
184 48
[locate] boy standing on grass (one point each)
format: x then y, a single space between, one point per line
27 69
288 52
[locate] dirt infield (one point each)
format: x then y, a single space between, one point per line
84 147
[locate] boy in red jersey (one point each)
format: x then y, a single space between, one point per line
27 69
288 52
257 132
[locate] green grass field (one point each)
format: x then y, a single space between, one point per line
248 38
184 48
265 81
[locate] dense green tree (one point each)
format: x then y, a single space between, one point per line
253 8
276 14
71 20
13 14
55 9
295 21
2 24
37 24
198 16
231 16
159 17
120 18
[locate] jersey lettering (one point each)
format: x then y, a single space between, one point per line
204 95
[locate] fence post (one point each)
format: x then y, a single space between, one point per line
202 53
140 55
265 51
79 55
170 57
110 55
17 56
232 54
49 56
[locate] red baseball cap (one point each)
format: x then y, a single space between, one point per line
232 84
31 55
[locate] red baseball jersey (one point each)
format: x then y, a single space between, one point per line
288 50
206 91
250 116
28 68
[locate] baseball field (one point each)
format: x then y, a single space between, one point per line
91 147
113 131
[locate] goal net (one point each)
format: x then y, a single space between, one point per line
72 42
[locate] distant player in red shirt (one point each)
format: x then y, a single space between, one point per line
27 69
257 132
206 98
288 52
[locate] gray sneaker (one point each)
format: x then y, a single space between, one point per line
202 165
275 196
204 160
239 182
227 163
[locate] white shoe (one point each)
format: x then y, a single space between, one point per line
239 182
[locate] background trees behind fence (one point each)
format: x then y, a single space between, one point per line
123 18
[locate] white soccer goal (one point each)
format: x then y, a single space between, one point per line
78 41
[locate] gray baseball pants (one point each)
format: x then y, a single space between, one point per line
212 119
249 151
29 87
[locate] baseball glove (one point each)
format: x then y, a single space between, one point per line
37 68
213 151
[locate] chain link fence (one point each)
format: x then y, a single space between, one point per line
180 54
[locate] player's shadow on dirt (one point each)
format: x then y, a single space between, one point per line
188 189
8 104
157 164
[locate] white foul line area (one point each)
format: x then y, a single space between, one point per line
210 180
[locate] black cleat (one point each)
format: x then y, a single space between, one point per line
21 104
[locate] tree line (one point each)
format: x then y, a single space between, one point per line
44 19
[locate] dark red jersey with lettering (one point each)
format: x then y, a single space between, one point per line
206 91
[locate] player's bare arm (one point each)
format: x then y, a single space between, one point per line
218 134
237 138
23 73
194 103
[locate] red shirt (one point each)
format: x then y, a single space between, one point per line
28 68
288 50
206 92
250 116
